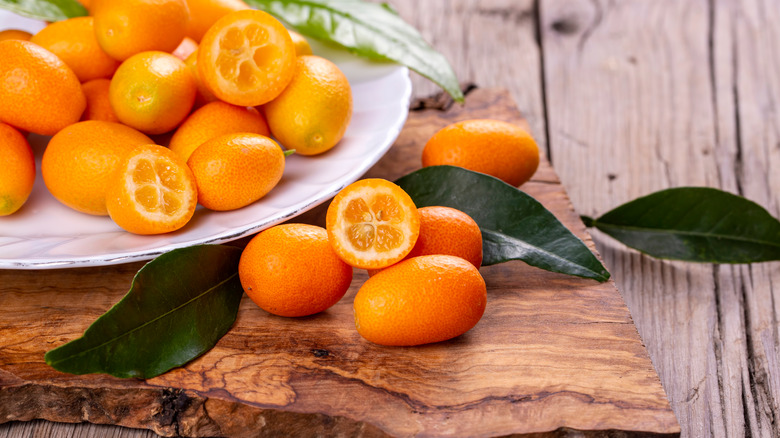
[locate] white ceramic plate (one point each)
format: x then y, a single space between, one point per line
45 234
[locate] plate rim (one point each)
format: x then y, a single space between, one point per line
235 233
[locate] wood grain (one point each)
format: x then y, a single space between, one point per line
646 95
635 93
551 353
488 42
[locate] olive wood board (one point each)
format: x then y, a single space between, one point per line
554 355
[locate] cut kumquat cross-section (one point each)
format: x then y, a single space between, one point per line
152 191
372 224
246 58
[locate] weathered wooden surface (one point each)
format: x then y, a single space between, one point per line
645 95
638 96
551 352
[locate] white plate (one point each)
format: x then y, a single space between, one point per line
45 234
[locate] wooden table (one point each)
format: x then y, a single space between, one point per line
628 98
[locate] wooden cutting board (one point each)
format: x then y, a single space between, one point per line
552 354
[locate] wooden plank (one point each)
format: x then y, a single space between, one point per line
552 352
507 56
491 43
647 95
746 63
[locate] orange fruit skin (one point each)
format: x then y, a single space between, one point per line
18 175
313 112
73 41
340 225
39 92
496 148
121 197
126 27
445 230
98 105
420 300
235 170
15 34
212 120
78 161
291 270
246 58
301 44
203 95
204 13
152 92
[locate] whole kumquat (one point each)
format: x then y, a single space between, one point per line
302 46
313 112
73 41
212 120
152 92
78 160
496 148
204 13
15 34
18 175
39 92
420 300
126 27
235 170
277 272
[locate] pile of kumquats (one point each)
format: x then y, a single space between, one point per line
154 106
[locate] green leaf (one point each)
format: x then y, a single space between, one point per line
47 10
695 224
514 225
179 305
371 30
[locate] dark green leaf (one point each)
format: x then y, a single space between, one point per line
179 305
371 30
47 10
514 225
696 224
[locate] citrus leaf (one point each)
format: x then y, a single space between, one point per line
514 225
179 305
371 30
47 10
696 224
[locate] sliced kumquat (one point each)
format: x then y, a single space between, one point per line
372 224
152 191
247 58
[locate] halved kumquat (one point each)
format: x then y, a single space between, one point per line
247 58
151 191
372 223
